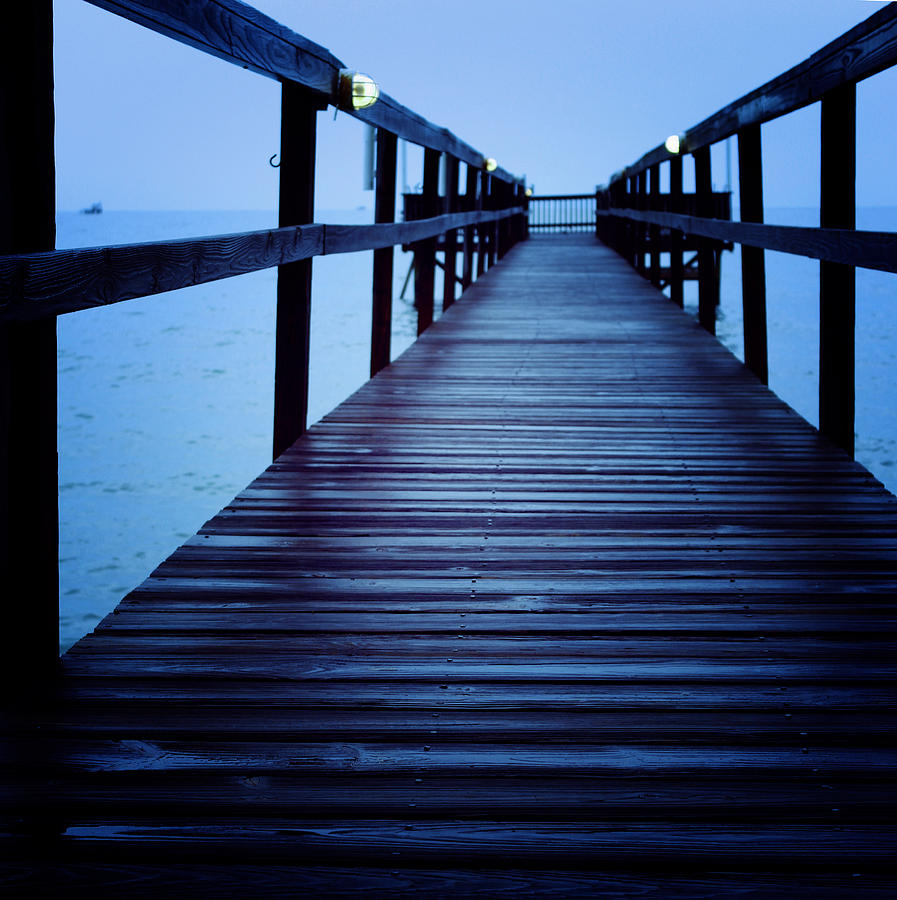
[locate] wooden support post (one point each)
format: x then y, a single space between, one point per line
632 228
524 218
753 264
451 237
642 239
492 227
504 237
708 280
677 238
384 211
654 231
837 282
501 238
29 534
470 202
597 218
620 233
425 251
482 230
297 198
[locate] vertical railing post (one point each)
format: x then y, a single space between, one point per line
425 250
470 202
451 236
384 211
837 282
524 218
498 190
482 229
297 207
523 202
654 231
677 238
493 203
642 202
708 282
29 534
632 228
503 242
597 220
753 264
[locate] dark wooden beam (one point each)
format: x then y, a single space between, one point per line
654 232
837 282
384 212
677 239
492 202
351 238
425 250
29 521
537 197
641 263
482 230
708 279
47 284
40 285
470 202
451 237
299 110
866 249
753 264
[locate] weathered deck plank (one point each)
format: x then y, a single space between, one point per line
563 601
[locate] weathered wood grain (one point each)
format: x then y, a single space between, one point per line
29 520
39 285
296 207
563 588
866 249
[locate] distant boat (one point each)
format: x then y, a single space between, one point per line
93 210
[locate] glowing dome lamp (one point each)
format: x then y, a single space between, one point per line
357 91
674 144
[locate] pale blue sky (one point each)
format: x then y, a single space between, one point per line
566 92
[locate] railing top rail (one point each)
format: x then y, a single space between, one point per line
866 49
238 33
561 197
41 285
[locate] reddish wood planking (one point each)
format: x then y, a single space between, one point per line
564 600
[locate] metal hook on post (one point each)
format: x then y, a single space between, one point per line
272 163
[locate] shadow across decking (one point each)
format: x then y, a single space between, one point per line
563 600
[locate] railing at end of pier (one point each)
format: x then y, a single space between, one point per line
561 213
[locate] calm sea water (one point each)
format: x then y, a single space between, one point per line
165 403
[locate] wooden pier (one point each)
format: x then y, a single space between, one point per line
563 602
562 598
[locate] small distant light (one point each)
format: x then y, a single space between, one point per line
529 192
673 143
357 91
491 164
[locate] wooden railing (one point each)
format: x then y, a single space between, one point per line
561 213
37 283
631 215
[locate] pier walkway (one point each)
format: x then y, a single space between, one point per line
562 601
